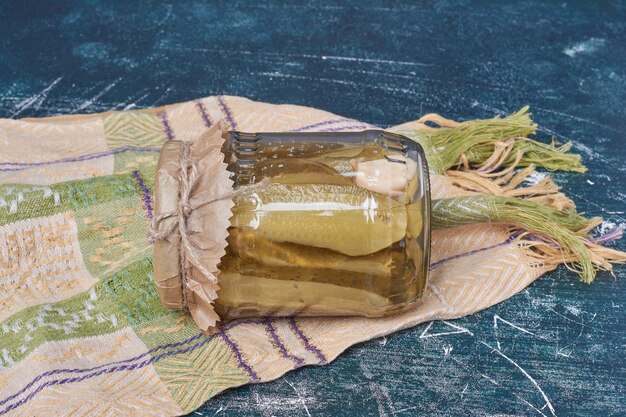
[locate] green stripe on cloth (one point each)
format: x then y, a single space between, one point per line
23 201
194 376
87 314
124 298
137 127
113 234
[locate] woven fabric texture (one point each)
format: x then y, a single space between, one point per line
82 331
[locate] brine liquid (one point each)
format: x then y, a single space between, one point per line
322 239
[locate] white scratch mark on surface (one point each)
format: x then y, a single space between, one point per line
379 393
93 99
464 390
263 406
405 409
528 376
307 56
608 226
131 101
587 47
497 318
336 81
535 178
412 75
590 153
488 378
559 352
170 8
574 310
35 100
165 94
458 330
567 318
299 397
477 103
378 61
553 133
494 382
572 117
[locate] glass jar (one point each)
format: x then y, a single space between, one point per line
340 226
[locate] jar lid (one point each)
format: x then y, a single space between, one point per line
193 200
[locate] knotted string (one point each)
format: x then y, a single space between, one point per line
188 177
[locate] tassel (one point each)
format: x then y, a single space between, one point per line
554 236
488 145
508 183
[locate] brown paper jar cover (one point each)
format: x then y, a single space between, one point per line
207 226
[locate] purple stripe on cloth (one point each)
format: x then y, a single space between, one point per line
12 169
231 344
278 344
106 368
227 112
325 123
166 125
462 255
203 113
305 340
78 158
122 366
351 127
147 200
240 361
234 323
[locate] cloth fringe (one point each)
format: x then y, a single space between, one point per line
548 255
486 146
495 158
509 183
556 236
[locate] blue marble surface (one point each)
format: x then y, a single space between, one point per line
558 348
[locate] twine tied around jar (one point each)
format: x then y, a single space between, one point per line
188 177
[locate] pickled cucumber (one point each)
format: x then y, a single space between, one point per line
347 219
376 283
298 171
414 220
248 245
283 298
